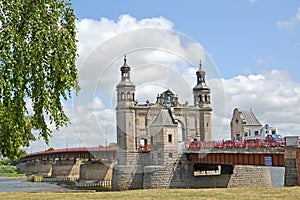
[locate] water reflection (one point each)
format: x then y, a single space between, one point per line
19 185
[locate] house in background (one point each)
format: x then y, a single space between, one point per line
244 124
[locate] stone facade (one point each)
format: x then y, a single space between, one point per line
38 167
148 134
292 166
66 168
250 176
95 171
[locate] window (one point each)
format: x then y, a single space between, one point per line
170 155
245 134
170 138
159 155
125 74
255 132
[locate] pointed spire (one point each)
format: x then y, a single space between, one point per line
125 59
125 74
200 65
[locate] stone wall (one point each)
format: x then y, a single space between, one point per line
95 170
250 176
292 166
38 167
66 168
122 177
157 176
181 175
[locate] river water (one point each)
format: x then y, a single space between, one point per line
20 185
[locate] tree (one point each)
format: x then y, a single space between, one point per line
113 144
37 70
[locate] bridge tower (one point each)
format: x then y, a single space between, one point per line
202 100
125 116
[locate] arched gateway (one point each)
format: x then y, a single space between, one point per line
147 134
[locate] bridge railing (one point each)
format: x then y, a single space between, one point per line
237 144
76 149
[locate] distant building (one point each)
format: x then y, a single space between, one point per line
245 125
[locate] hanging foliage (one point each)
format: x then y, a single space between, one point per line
37 69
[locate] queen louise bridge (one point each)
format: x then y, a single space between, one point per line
209 159
149 153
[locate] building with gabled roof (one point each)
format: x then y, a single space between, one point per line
244 124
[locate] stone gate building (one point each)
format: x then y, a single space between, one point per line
153 134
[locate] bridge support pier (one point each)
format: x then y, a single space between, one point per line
96 171
292 166
66 168
38 167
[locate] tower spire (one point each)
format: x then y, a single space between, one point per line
125 88
125 59
201 90
200 65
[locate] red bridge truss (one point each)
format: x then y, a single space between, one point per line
81 152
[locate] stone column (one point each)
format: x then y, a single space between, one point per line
292 166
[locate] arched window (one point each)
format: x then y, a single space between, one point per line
200 98
205 97
128 96
122 95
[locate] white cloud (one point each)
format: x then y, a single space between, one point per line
274 98
92 33
290 24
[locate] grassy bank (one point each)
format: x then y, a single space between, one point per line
223 194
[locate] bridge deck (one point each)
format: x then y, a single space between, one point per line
241 156
86 153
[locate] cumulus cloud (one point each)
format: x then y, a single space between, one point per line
92 33
273 97
291 24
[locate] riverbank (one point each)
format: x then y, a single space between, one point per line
12 175
9 171
221 193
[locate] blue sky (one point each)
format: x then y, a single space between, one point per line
254 44
242 36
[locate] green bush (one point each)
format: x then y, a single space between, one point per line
8 169
5 162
